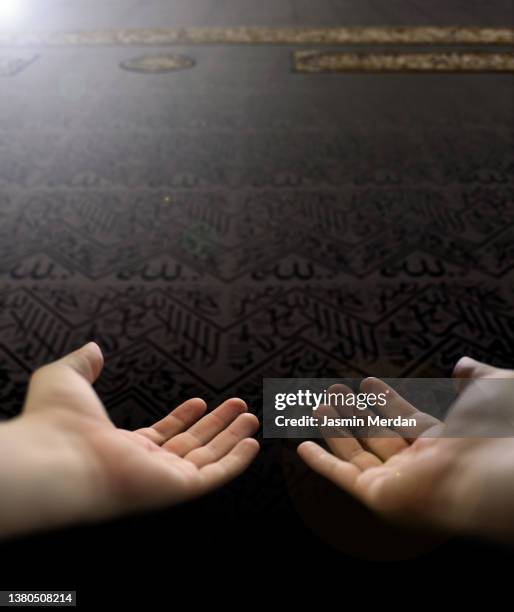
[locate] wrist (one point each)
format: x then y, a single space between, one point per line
46 478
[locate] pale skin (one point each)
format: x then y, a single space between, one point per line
460 484
63 461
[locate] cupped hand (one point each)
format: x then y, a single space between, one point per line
460 483
88 469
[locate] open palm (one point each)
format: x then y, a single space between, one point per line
184 455
428 476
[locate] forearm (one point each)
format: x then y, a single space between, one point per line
478 498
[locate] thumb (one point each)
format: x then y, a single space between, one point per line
87 361
55 382
467 367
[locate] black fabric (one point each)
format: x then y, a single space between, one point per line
235 221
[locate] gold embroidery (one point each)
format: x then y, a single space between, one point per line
318 61
163 62
266 36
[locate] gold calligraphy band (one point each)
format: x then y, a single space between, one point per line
318 61
256 35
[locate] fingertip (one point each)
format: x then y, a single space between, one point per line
93 346
369 382
252 444
200 402
465 359
339 388
464 367
95 354
372 384
250 417
306 447
237 402
248 449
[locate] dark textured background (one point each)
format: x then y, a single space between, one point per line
215 226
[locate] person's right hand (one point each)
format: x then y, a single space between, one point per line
463 484
63 461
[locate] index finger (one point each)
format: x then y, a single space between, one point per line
396 406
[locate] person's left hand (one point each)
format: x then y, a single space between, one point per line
455 475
